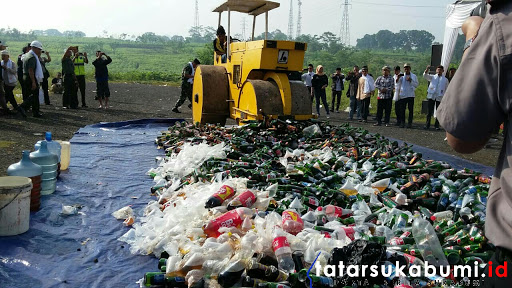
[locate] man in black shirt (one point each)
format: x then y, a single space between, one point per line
101 75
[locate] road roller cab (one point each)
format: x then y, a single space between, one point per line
258 79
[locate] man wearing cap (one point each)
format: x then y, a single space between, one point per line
436 88
187 80
475 104
407 85
9 71
337 87
101 75
365 90
79 61
32 76
219 44
355 105
384 84
306 78
70 97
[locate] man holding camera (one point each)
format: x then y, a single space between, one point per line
46 75
79 61
69 98
435 92
355 105
337 86
473 106
101 75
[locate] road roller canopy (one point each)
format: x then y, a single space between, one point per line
251 7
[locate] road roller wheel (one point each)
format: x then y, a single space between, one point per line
210 94
259 97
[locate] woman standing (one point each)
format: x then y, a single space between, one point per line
319 83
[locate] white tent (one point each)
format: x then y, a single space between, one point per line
456 14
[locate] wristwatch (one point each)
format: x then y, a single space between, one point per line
468 44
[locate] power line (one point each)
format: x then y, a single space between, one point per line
399 5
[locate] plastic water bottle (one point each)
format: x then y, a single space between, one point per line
283 251
49 163
428 243
53 146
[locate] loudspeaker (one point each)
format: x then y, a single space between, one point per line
435 60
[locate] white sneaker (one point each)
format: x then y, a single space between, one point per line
327 116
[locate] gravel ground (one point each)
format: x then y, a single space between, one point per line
138 101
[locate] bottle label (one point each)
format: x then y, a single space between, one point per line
338 211
280 242
229 219
410 258
291 216
350 232
247 198
396 241
224 193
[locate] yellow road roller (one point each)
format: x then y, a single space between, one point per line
259 79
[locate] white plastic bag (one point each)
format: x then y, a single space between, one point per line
41 96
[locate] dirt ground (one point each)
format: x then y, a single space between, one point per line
137 101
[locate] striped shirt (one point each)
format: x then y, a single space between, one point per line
385 82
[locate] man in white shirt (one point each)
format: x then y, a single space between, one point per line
306 78
407 85
396 77
436 89
365 90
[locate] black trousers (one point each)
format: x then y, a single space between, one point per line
22 85
81 86
384 105
69 97
365 108
397 112
309 91
498 259
320 96
406 103
44 85
32 97
336 96
431 105
9 96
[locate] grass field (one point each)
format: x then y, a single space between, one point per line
162 63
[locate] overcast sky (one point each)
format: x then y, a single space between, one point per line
175 17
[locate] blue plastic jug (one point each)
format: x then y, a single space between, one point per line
49 162
27 168
53 146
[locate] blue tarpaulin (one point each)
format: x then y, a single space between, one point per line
106 173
